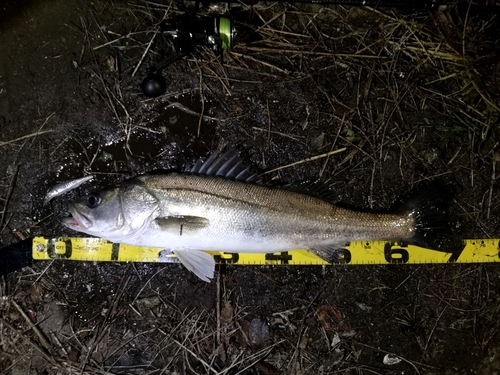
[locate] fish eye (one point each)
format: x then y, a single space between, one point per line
93 201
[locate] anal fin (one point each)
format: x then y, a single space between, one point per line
332 253
198 262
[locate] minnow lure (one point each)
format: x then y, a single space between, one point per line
66 186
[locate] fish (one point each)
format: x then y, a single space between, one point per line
219 205
66 186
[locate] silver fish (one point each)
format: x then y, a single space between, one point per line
219 205
66 186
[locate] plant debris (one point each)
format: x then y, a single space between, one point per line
370 101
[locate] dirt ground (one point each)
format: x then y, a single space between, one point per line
413 95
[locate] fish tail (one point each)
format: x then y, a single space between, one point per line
430 212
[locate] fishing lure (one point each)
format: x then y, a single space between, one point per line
66 186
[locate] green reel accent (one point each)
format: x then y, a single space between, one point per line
225 32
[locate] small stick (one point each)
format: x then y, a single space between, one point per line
294 137
58 343
41 336
256 357
202 101
471 161
25 136
117 39
306 160
496 158
370 198
331 148
159 5
146 284
189 111
314 53
45 121
268 125
9 194
215 74
268 22
43 272
427 343
207 366
248 57
484 97
144 54
85 39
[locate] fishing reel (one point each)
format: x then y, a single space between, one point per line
186 32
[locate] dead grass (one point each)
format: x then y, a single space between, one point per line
400 76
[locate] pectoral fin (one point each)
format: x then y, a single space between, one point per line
198 262
182 224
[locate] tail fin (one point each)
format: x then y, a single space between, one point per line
430 210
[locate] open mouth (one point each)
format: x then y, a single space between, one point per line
70 221
75 220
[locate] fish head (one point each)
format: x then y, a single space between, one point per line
116 214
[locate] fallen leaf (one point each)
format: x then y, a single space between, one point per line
258 334
267 369
35 293
331 318
226 315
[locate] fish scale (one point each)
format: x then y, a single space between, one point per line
281 214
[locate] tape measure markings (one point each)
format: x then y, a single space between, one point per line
354 253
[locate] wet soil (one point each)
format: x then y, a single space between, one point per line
413 96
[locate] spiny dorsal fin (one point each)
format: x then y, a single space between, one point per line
228 165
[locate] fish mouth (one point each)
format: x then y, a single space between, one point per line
76 220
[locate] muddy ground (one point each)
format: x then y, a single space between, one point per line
411 93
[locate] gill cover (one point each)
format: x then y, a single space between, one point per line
116 214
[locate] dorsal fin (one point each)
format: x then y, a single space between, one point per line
228 165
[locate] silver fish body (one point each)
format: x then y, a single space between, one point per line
188 213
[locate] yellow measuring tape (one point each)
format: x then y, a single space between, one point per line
372 252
